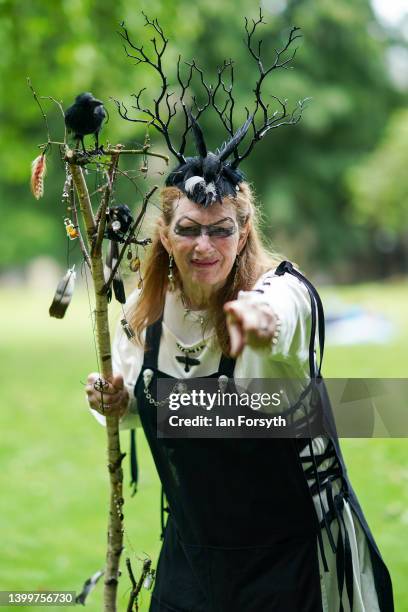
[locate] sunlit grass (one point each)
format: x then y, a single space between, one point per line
54 487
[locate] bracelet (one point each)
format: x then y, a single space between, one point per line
276 333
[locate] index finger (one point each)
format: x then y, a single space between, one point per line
236 335
117 382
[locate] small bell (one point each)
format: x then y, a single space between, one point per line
147 377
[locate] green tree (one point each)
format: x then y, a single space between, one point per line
299 172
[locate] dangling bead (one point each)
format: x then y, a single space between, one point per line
170 275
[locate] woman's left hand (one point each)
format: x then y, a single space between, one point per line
254 325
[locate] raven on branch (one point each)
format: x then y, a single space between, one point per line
84 117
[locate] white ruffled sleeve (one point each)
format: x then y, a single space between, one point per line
289 299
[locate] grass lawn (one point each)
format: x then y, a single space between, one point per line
54 488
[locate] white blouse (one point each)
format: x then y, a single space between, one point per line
287 359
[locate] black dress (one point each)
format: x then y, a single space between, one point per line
242 533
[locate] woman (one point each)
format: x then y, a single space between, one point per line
254 524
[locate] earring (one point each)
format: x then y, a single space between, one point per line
236 266
170 275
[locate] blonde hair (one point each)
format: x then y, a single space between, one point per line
253 261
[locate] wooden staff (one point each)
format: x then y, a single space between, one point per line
115 456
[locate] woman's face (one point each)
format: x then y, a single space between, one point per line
203 241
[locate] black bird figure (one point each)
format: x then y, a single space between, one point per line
84 117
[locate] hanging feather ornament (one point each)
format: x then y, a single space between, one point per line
88 587
38 171
112 256
63 294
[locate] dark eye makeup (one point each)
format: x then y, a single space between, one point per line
221 229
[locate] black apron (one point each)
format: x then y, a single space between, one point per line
242 532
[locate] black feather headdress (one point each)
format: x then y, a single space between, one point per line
209 177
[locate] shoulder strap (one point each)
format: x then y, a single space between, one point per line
152 344
227 366
317 313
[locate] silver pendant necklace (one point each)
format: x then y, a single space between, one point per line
188 312
190 353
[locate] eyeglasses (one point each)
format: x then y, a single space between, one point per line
222 230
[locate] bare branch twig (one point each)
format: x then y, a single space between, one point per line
41 108
136 587
101 214
59 104
277 118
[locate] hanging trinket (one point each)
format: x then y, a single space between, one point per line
67 188
101 385
129 255
38 171
118 221
135 264
117 283
222 383
63 294
119 290
144 168
180 387
127 329
72 231
148 581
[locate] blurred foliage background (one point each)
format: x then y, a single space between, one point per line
333 191
333 188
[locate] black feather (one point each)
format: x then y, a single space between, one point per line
88 587
117 283
218 179
63 294
119 290
228 147
198 136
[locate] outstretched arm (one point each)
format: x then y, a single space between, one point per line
275 314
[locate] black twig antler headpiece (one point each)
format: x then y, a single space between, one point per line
209 177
